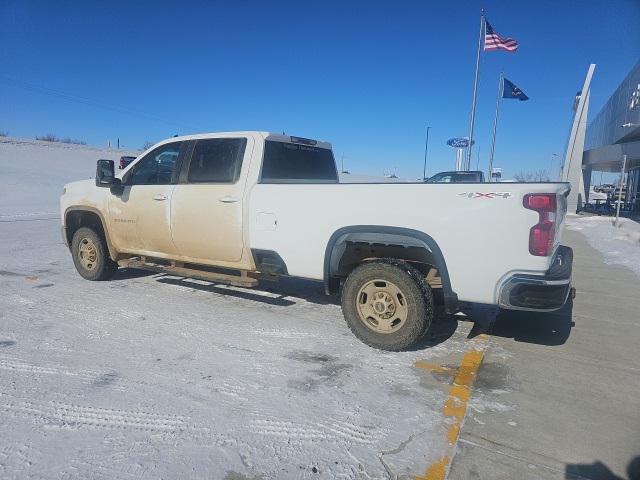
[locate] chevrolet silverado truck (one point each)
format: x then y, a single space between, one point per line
238 207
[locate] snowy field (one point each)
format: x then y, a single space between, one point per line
619 245
33 174
152 376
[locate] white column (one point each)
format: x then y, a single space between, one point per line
572 168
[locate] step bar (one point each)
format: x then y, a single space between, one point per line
177 268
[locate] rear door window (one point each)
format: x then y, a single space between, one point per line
216 160
292 163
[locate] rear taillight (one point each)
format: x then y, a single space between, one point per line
542 235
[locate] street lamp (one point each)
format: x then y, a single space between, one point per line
624 164
426 148
342 170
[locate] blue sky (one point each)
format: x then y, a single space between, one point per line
366 76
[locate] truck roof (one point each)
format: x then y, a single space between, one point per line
278 137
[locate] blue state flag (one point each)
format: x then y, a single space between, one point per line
509 90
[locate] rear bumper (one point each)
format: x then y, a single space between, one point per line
540 293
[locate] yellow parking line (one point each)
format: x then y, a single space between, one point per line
455 406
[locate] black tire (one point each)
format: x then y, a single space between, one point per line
100 266
415 291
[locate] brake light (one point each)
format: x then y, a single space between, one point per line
303 141
542 235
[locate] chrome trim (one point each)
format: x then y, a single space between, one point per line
508 284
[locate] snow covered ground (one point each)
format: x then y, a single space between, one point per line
619 245
34 172
152 376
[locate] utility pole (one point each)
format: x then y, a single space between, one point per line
426 148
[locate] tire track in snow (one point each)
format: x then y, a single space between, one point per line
237 392
285 334
17 365
309 431
69 416
87 377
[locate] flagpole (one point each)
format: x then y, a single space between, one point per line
495 124
475 92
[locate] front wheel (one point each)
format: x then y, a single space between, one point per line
387 304
91 256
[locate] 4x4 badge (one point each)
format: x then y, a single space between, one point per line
485 195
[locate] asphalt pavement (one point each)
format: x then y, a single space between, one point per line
557 396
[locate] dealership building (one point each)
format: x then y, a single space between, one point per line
601 146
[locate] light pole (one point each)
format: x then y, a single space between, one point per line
624 164
342 170
426 148
553 155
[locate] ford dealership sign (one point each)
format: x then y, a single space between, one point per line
459 142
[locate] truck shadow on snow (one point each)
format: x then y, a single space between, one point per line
289 291
541 328
283 293
130 273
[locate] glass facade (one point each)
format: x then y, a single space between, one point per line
623 108
614 132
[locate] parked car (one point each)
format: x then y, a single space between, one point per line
597 196
262 205
604 188
473 176
124 161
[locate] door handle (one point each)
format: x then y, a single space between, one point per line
160 197
228 199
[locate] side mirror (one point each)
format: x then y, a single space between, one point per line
116 187
105 174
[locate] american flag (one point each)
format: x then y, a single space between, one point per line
493 41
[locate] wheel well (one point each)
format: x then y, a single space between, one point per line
356 252
76 219
348 247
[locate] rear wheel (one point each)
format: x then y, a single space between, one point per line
91 256
387 304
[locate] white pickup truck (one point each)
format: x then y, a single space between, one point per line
237 207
